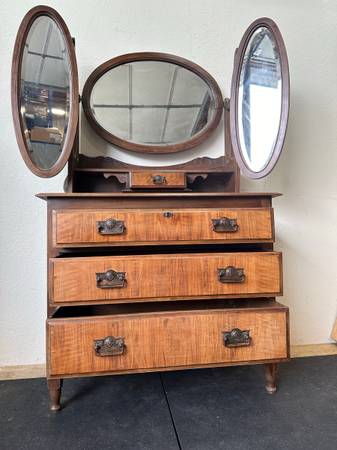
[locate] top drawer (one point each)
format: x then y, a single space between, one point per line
72 228
153 180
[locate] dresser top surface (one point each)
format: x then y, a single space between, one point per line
47 195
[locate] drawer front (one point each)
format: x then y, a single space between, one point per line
157 180
152 277
115 227
167 340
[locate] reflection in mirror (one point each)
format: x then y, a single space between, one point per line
45 92
152 103
259 99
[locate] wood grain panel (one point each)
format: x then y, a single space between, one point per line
79 227
164 276
164 340
146 180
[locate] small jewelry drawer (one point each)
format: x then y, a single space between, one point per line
76 228
155 180
165 276
114 338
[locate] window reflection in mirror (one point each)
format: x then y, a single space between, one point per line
45 92
259 100
152 103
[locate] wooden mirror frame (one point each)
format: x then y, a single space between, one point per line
238 61
152 56
68 143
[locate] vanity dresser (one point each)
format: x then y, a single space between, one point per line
154 268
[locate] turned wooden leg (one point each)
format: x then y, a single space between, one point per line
55 387
271 371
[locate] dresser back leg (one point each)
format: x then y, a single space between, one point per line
54 387
271 372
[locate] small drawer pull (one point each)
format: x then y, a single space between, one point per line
159 179
231 274
109 346
110 226
225 225
110 279
236 338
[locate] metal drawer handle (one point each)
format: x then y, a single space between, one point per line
110 226
110 279
225 225
231 274
109 346
236 338
159 179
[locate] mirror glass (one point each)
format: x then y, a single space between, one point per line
152 103
45 92
259 99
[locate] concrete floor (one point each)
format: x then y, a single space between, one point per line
208 409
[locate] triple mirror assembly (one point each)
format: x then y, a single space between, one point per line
147 103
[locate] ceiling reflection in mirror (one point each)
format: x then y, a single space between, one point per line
45 91
152 103
259 99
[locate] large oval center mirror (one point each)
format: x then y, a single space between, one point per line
152 105
261 94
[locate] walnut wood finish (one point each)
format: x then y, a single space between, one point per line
79 227
54 387
167 276
256 196
156 200
157 179
147 200
271 372
162 340
153 56
16 93
223 172
184 336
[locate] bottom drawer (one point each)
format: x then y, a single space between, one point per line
117 338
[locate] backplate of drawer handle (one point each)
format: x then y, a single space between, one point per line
109 346
236 338
225 225
110 279
110 226
231 274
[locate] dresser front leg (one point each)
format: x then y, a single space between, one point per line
271 372
54 387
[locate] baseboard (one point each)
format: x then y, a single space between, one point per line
20 372
301 351
39 370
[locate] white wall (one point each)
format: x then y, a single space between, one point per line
207 33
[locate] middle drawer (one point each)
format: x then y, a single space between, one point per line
157 277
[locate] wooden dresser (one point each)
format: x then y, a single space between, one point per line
165 267
162 281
